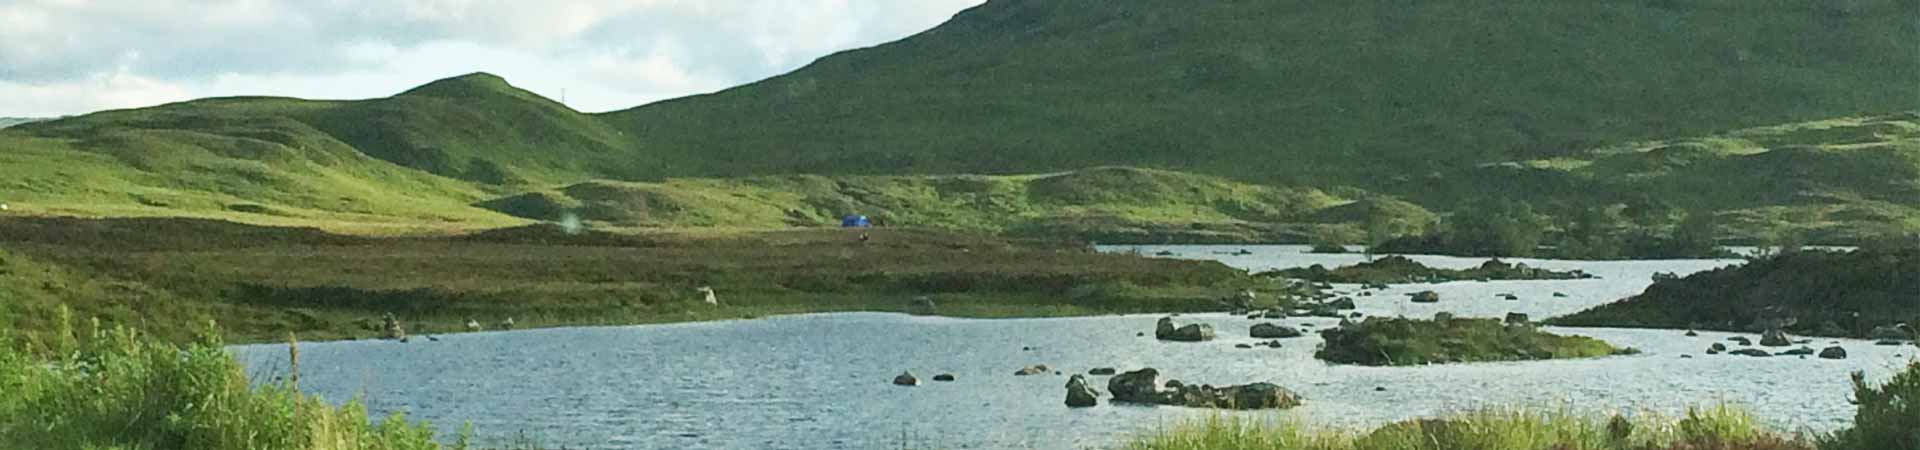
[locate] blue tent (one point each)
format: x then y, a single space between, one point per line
855 222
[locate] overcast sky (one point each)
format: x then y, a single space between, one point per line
74 56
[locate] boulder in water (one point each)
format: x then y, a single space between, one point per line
1716 348
1272 331
1833 353
1342 304
1101 371
1426 297
906 379
1139 386
1742 340
1774 338
1079 395
1754 352
1194 332
1802 351
1256 396
943 377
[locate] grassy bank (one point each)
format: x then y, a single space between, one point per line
1383 341
1705 429
170 275
117 389
1885 420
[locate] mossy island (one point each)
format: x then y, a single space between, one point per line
1382 341
1400 269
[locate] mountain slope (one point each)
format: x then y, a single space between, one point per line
1352 92
1444 103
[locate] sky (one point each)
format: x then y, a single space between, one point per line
62 57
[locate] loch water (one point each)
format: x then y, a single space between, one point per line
822 381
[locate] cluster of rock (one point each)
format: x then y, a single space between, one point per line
1892 335
908 379
1142 386
1268 344
1193 332
1773 338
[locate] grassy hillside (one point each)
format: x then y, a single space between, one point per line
170 276
11 121
1352 92
1425 106
1112 204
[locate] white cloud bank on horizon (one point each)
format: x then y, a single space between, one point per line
61 57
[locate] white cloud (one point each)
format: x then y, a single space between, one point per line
74 56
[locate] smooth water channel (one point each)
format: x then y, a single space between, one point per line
823 381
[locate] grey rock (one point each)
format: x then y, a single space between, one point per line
1774 338
1272 331
1833 353
906 379
1079 395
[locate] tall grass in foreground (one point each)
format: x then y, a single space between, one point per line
1704 429
115 389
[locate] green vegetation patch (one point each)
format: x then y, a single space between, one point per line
1400 269
262 282
1818 293
1380 341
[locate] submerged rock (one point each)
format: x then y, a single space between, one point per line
1272 331
943 377
1802 351
1101 371
1740 340
1754 352
1038 369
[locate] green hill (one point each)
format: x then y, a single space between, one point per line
11 121
1277 112
1354 92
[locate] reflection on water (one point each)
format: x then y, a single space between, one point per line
822 381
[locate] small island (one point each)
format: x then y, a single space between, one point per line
1867 293
1408 342
1400 269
